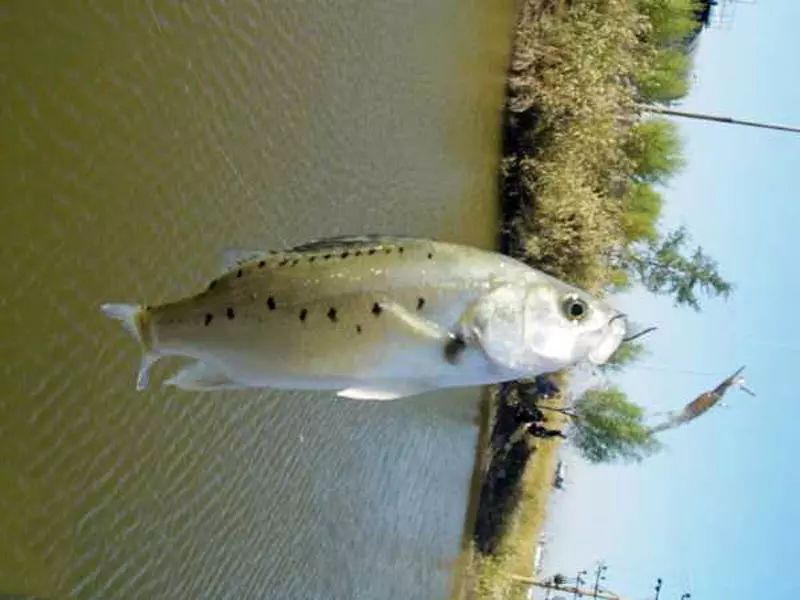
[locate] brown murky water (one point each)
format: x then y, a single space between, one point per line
140 139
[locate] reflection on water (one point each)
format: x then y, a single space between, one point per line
140 139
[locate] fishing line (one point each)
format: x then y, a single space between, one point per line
780 345
635 336
671 369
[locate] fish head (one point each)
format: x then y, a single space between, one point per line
544 325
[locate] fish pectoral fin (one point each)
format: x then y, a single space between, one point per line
233 257
390 391
202 377
418 325
452 344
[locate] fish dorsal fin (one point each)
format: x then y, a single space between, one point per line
391 391
202 377
233 257
347 241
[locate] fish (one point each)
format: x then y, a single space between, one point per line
372 318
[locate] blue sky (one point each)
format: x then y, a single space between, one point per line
716 513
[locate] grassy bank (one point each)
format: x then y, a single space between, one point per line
578 183
515 548
516 473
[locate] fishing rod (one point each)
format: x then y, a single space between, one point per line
716 118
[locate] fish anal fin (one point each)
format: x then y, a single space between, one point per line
202 377
384 392
143 376
233 257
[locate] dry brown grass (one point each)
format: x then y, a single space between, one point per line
571 86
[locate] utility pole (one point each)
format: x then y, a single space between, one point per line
578 583
598 575
575 590
716 118
658 587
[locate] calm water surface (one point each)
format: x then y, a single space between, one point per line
141 139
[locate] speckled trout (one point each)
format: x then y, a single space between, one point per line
373 318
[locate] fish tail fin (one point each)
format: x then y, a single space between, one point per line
134 319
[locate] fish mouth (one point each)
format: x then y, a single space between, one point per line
636 335
612 336
621 315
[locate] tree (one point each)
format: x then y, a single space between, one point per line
663 268
654 147
671 21
608 427
627 353
642 211
666 77
618 279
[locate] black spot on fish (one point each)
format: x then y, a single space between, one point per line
401 249
271 303
327 256
209 317
303 314
420 303
345 254
454 348
230 314
358 252
358 328
212 285
295 261
387 250
376 309
371 251
332 314
262 264
239 273
283 262
312 258
430 255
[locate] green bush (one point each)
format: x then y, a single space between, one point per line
654 148
665 77
670 21
642 211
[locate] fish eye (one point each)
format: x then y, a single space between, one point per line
574 308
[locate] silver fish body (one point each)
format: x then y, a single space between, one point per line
369 317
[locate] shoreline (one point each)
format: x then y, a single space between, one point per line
492 492
462 582
578 181
507 508
574 191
